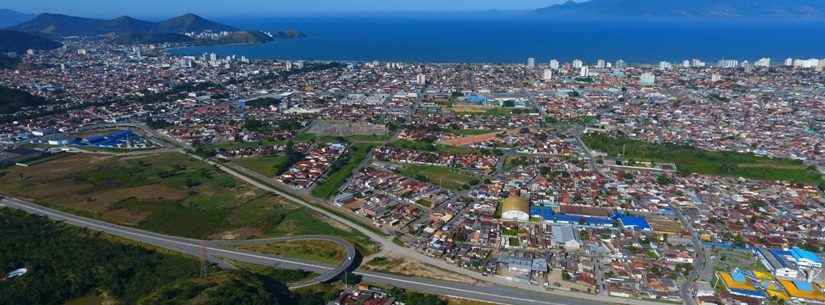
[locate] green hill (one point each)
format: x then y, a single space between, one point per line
16 41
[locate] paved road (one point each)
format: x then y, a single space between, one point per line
215 250
503 291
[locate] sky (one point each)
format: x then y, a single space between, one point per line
219 8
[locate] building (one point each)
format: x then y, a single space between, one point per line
789 62
515 208
531 63
647 79
548 74
738 285
620 64
554 64
600 64
777 263
421 79
802 291
728 63
577 64
715 77
664 65
566 236
763 62
584 71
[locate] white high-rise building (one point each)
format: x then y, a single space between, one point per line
531 63
664 65
697 63
789 62
554 64
213 57
728 63
806 63
288 65
577 64
686 63
600 64
421 79
763 62
30 52
548 74
620 64
715 77
647 79
584 71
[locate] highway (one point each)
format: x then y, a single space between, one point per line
215 251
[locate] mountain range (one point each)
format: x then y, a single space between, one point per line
64 25
10 17
711 9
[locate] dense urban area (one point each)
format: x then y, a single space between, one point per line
688 182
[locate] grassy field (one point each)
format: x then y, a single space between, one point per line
470 132
446 177
692 160
267 166
440 148
342 170
319 251
167 193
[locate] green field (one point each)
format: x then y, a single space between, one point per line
341 170
470 132
439 148
324 252
167 193
692 160
267 166
446 177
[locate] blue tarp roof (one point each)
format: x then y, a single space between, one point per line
798 253
803 285
637 222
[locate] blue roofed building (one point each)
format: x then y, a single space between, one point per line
805 258
633 222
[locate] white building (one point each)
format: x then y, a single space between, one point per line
531 63
554 64
421 79
728 63
647 79
620 64
715 77
600 64
789 62
584 71
548 74
763 62
664 65
577 64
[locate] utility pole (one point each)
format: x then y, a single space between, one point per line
204 261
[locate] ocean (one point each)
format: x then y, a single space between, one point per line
512 39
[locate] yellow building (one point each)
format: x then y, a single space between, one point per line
803 291
515 208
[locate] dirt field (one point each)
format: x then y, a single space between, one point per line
409 268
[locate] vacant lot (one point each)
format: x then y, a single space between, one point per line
320 251
341 170
692 160
446 177
267 166
166 193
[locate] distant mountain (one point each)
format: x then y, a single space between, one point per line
10 17
191 23
739 9
63 25
16 41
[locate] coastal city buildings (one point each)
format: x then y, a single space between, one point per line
602 179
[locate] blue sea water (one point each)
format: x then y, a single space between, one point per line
512 39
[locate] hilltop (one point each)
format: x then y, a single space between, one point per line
11 17
712 9
16 41
64 25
